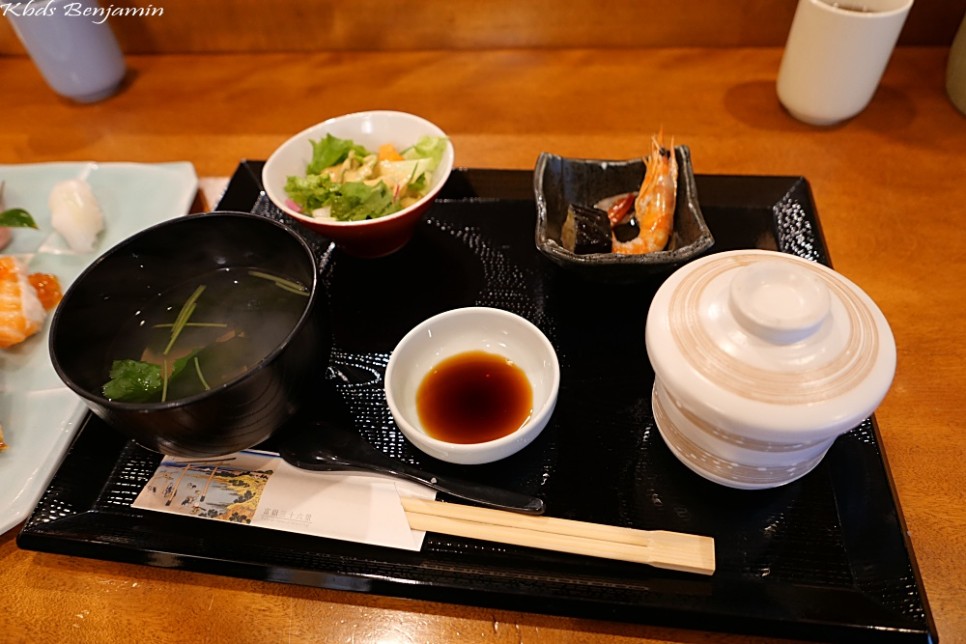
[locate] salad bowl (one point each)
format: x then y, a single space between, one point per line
367 235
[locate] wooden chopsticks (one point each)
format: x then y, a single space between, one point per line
659 548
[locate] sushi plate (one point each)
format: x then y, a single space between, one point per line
38 413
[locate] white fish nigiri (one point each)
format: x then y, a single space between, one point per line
75 214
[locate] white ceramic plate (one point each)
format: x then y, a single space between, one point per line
39 414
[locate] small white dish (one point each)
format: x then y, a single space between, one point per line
465 330
761 360
40 415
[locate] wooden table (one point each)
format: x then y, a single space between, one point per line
890 186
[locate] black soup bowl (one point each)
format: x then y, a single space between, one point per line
90 331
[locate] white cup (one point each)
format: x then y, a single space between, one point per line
72 46
956 69
835 56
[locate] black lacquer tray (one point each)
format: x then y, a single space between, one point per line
823 558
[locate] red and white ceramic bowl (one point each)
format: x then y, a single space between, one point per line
371 237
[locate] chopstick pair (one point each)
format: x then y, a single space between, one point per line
658 548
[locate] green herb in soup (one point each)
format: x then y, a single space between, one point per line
198 336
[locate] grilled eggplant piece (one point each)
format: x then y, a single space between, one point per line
586 230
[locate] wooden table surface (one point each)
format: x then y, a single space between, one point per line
890 187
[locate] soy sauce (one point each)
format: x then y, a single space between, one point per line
474 397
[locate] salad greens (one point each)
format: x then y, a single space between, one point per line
347 182
330 151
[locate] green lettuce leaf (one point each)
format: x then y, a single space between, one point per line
350 201
356 201
428 147
309 192
331 150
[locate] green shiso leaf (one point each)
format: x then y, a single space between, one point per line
16 218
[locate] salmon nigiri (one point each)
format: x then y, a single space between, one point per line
24 301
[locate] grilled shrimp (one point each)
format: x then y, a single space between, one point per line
654 206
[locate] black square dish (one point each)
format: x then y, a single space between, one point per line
560 181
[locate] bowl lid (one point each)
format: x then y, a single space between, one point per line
764 342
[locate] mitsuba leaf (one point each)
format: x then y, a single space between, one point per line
133 381
138 381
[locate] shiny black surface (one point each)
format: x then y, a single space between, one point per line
823 558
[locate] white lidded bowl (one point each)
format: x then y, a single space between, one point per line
761 360
459 331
